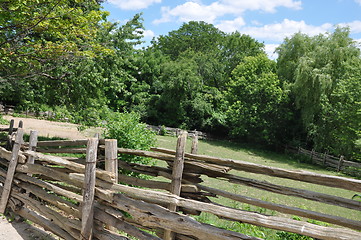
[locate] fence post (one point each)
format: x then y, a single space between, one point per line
177 173
312 153
11 170
21 124
11 129
33 141
89 190
111 157
340 162
324 158
194 149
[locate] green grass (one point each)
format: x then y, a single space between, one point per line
226 149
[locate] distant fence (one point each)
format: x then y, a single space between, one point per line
329 161
162 130
7 135
6 109
80 197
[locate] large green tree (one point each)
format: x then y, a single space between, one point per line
197 36
322 74
36 37
256 101
201 57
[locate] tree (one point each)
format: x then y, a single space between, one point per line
197 36
256 100
321 72
201 57
179 85
338 127
236 47
289 53
36 32
38 36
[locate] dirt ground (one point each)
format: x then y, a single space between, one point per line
53 129
13 230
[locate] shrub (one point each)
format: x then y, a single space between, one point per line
3 121
163 130
130 133
292 236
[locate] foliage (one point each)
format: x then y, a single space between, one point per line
356 196
292 236
323 73
3 121
255 99
34 33
236 47
163 130
181 100
188 71
130 133
196 36
64 56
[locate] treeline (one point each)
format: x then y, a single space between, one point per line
66 57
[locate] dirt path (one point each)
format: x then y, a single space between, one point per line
21 230
53 129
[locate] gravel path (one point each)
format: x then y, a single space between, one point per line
21 230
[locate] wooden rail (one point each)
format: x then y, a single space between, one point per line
81 199
327 160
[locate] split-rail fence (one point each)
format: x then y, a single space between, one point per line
329 161
85 196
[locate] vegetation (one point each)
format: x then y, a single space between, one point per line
249 153
131 134
3 121
65 56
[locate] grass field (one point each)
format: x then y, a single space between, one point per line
225 149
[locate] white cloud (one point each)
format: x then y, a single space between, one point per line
278 31
196 11
270 50
355 26
229 26
286 28
133 4
358 1
358 43
263 5
148 34
192 11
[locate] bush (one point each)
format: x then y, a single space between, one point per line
163 130
292 236
130 133
3 121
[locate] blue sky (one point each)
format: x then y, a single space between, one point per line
268 21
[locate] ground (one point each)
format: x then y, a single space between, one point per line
14 230
53 129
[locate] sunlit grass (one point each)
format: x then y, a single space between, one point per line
226 149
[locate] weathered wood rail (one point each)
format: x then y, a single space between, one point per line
329 161
83 197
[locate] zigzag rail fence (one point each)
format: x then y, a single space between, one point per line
329 161
83 197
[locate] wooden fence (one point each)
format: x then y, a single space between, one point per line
163 130
9 136
329 161
83 197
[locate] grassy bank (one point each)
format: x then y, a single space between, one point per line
225 149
